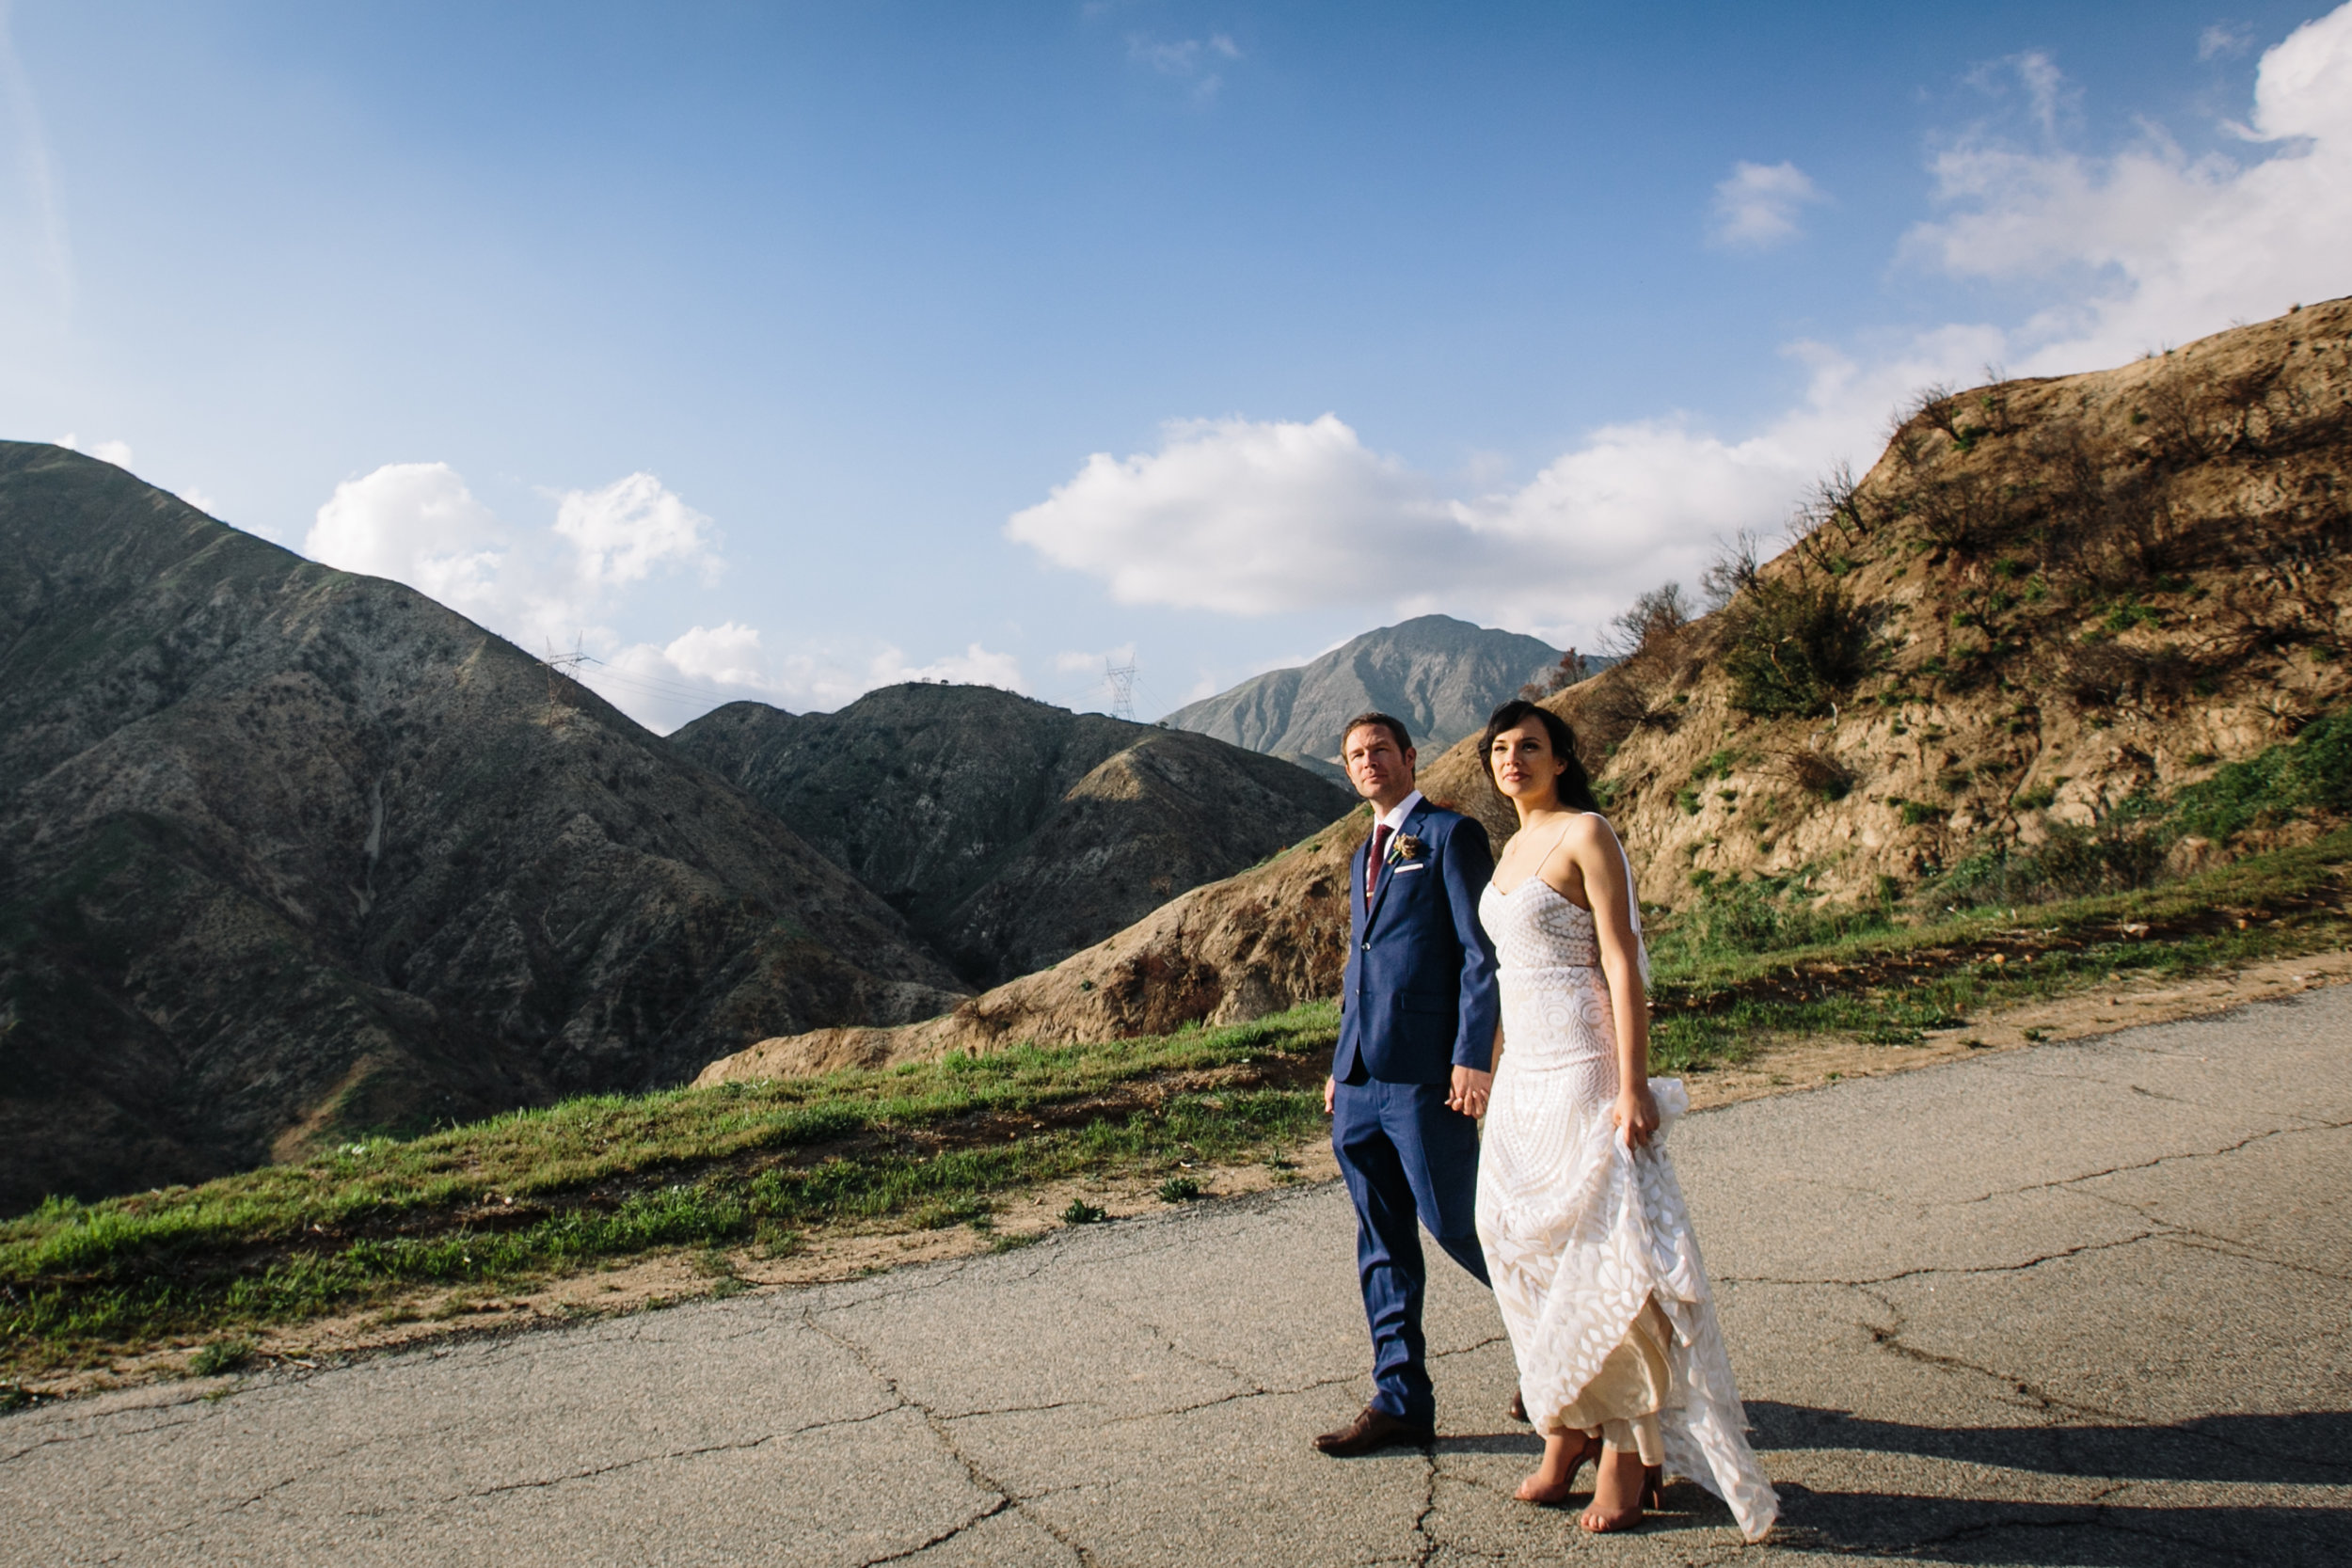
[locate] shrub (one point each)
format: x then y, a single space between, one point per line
1653 621
1757 914
2071 863
1559 677
1794 648
220 1356
2128 848
2315 771
2099 674
1820 773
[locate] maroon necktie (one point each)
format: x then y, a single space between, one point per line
1380 854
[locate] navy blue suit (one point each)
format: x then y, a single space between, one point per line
1417 1001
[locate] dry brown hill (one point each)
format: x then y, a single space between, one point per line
287 853
1011 833
2045 597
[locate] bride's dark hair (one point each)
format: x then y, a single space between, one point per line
1576 788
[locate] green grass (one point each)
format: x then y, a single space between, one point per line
1860 974
763 1166
538 1191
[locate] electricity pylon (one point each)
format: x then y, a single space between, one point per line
1121 680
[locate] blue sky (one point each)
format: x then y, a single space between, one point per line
781 351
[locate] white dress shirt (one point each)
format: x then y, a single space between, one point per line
1393 819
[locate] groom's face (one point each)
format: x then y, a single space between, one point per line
1381 773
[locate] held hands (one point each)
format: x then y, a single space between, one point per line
1636 1115
1470 1088
1467 1094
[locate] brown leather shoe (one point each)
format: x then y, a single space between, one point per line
1373 1430
1518 1407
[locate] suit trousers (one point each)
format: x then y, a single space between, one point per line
1408 1161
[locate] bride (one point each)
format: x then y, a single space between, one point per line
1582 1222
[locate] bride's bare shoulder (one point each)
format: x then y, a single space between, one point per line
1587 830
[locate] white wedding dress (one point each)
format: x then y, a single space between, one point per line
1588 1242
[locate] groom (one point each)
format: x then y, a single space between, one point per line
1417 1031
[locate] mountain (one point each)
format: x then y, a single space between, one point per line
1011 832
1441 675
2047 603
288 854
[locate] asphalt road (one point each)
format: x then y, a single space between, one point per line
2076 1304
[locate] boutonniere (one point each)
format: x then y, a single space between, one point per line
1405 847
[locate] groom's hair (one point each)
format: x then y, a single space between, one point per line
1395 726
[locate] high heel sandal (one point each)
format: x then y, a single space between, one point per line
1650 1496
1589 1452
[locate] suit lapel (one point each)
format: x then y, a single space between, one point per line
1358 914
1380 893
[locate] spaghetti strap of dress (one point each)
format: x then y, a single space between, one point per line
1632 899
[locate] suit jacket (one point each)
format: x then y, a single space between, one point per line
1418 998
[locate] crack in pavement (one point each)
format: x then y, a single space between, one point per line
2223 1246
740 1445
1012 1410
1000 1506
921 1278
2305 1125
1428 1505
2033 1262
1438 1474
980 1478
1890 1338
2099 1517
67 1439
1250 1393
1167 1343
2189 1235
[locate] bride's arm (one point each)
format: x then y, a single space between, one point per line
1608 887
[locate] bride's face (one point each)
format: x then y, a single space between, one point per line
1524 766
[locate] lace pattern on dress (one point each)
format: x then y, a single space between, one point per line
1579 1231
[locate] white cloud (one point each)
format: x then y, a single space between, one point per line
621 533
663 687
2223 40
727 655
1191 60
43 219
974 666
116 452
1253 517
1076 662
2146 245
417 523
1757 208
1239 515
2169 247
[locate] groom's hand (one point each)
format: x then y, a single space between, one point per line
1331 1088
1470 1091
